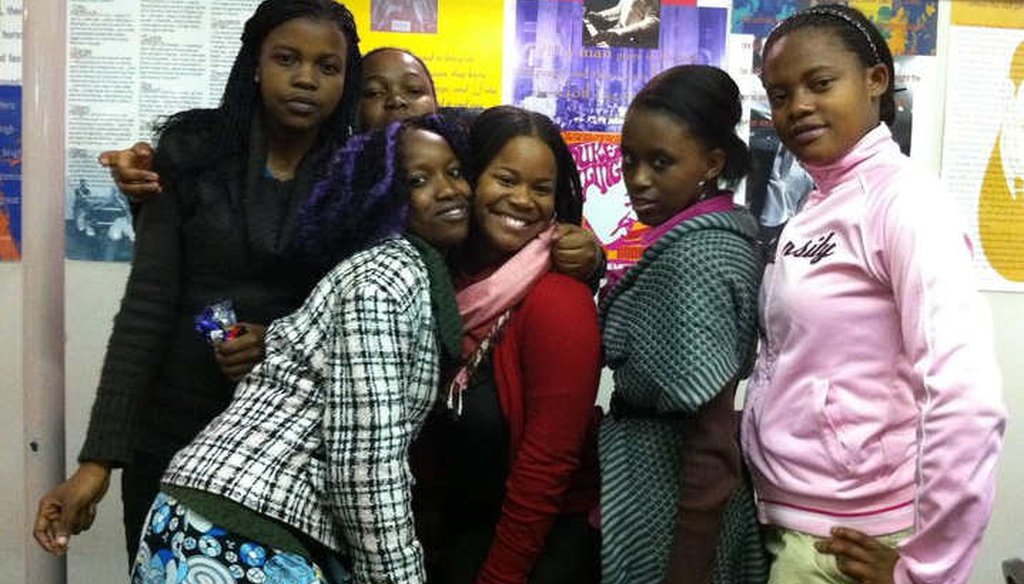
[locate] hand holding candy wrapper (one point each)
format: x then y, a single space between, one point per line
218 323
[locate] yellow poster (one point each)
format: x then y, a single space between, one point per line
983 148
1001 203
459 40
991 13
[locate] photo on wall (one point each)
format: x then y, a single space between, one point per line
98 222
621 23
414 16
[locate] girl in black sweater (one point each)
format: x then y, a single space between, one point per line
234 178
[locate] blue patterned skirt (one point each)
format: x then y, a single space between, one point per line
180 546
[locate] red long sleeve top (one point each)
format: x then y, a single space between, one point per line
547 368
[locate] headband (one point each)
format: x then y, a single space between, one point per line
825 11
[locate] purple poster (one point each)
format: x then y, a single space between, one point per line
576 69
10 173
582 61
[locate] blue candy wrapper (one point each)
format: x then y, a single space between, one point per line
217 322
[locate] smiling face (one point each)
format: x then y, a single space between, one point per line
514 198
662 164
395 87
301 74
439 194
823 99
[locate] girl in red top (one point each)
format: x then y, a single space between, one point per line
507 463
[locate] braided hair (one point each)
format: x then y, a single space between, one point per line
364 194
857 34
224 131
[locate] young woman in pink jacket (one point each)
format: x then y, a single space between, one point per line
874 418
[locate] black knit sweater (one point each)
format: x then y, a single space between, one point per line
221 233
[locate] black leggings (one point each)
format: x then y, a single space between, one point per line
140 482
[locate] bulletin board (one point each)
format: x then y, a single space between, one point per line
126 67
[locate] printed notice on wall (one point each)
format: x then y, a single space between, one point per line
459 40
10 130
131 62
983 155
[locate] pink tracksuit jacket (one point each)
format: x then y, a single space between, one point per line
876 402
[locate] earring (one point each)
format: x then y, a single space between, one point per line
256 78
701 184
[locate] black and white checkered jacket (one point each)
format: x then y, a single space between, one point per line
317 434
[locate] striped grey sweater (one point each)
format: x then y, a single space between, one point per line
678 328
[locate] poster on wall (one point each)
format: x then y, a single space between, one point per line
983 148
580 62
459 40
909 26
130 63
10 173
10 130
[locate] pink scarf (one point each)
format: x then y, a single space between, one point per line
719 203
486 305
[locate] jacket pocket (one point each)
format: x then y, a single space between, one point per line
854 441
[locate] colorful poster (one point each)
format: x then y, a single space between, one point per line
983 148
10 130
10 173
909 25
580 62
459 40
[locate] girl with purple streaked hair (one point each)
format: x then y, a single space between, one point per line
309 460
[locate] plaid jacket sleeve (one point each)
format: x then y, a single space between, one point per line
370 418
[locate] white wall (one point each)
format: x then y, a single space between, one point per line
12 463
1005 536
98 556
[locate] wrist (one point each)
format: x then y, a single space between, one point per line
94 468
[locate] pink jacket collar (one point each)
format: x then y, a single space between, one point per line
827 176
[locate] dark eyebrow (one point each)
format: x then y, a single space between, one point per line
823 68
817 70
